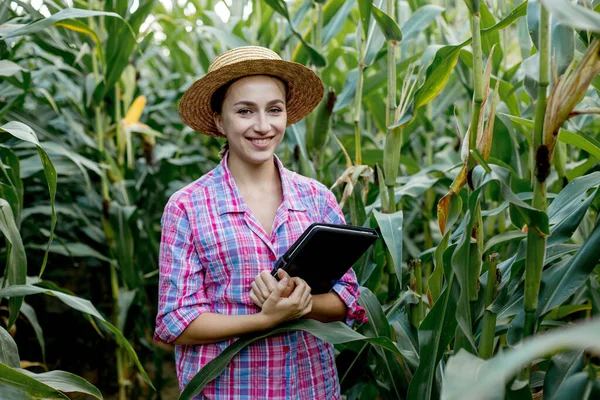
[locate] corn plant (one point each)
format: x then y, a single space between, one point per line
466 132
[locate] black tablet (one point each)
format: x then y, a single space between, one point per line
324 253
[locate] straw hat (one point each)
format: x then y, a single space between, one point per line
304 87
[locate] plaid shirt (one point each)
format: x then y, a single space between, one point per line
212 247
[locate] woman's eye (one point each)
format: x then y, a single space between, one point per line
244 111
276 110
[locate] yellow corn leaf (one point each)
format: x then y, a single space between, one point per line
348 159
135 111
78 26
28 364
484 144
443 209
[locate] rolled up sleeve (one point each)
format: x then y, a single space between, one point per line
181 294
347 287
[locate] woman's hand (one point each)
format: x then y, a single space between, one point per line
277 309
264 284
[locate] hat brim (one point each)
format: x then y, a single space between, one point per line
304 87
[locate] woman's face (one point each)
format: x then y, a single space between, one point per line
253 118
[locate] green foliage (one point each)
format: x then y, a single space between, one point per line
91 148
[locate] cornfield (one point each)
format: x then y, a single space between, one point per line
466 132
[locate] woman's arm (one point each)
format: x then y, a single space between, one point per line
211 327
328 307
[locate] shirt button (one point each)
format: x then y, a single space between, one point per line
272 257
286 349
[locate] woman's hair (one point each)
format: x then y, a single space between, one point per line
218 97
224 149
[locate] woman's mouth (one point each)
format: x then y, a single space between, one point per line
260 142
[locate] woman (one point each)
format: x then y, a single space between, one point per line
222 234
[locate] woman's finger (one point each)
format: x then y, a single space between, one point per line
306 297
296 295
268 280
255 300
262 287
257 292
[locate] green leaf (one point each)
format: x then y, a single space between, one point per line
473 6
443 63
76 249
25 133
13 393
347 96
581 140
121 41
465 257
561 281
337 22
573 15
65 14
78 26
9 353
84 306
365 8
333 332
388 26
281 7
391 230
453 211
503 238
65 382
378 326
563 46
28 312
27 384
437 74
562 366
17 261
9 68
533 21
467 377
420 20
531 216
435 333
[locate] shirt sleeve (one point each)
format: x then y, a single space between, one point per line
347 287
181 296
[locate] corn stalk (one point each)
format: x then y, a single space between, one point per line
474 266
393 139
358 95
486 342
536 241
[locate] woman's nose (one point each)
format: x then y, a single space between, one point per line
262 124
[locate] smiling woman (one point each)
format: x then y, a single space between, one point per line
222 234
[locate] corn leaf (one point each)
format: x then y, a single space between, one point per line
25 133
468 377
28 385
334 332
388 26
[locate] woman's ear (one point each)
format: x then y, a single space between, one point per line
219 123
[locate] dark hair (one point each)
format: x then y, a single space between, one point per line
216 100
224 149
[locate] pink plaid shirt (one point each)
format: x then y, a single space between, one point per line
212 247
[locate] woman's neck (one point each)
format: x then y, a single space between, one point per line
246 175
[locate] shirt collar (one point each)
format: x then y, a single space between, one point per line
230 199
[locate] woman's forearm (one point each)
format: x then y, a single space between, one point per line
211 328
327 307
